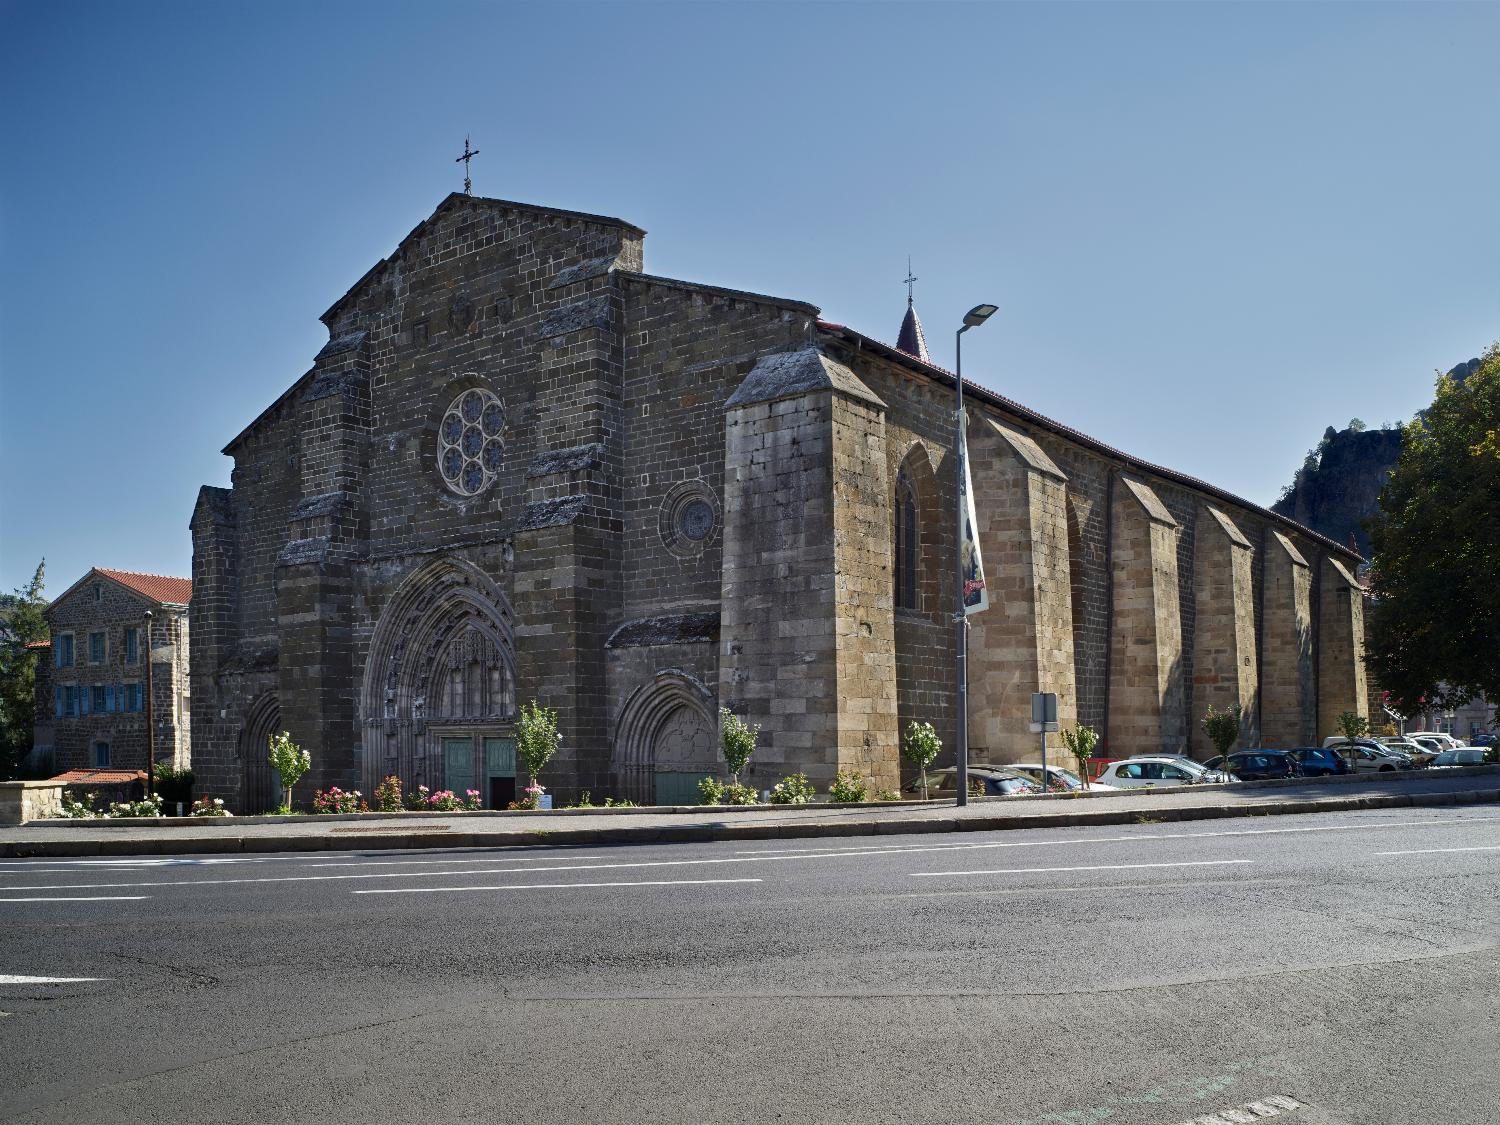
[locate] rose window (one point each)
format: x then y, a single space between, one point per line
470 449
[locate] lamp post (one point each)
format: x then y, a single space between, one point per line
972 319
150 730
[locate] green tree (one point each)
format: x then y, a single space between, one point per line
1080 742
737 741
1222 727
21 623
537 738
290 762
920 747
1430 634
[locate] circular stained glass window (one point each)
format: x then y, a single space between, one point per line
696 519
470 448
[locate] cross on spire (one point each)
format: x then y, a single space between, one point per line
469 154
909 279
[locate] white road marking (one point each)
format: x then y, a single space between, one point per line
759 857
8 978
1100 867
86 898
1429 851
550 886
402 862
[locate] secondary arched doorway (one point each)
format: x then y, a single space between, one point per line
260 788
666 740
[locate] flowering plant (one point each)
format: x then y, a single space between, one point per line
290 762
417 798
388 794
471 800
210 806
532 799
793 789
335 800
78 810
444 800
710 792
121 810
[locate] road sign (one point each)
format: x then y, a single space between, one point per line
1043 712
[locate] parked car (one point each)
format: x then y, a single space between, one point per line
1446 741
1257 765
1058 779
1318 761
1214 776
1371 757
1485 739
1463 756
997 781
1420 755
1153 772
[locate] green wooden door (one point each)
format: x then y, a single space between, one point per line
458 765
500 757
674 787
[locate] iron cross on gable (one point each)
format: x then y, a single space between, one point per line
469 154
909 279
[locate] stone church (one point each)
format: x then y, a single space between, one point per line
522 467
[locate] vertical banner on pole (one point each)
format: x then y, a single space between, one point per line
976 595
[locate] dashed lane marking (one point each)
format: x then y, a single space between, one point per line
12 978
550 886
1099 867
1430 851
81 898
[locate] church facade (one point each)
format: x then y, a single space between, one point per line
524 468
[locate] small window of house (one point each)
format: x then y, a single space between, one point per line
132 644
101 755
96 648
65 650
97 703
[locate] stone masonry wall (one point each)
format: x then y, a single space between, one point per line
1288 717
1225 668
1341 646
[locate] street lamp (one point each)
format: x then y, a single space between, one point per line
150 730
972 319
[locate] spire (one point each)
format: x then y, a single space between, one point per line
910 339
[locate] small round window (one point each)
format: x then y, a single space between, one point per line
696 519
470 449
688 519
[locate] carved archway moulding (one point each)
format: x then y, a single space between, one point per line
445 616
648 711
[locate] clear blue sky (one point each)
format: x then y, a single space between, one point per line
1212 229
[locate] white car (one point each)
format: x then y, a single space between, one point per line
1059 780
1447 741
1153 773
1463 756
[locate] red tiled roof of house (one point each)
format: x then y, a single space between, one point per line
38 644
157 587
99 777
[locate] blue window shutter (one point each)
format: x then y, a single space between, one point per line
109 697
83 704
57 708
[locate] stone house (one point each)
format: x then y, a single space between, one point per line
522 467
91 685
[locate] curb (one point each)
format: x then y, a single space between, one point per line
706 833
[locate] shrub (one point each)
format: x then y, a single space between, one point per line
848 787
416 800
388 794
537 737
173 785
126 810
210 806
920 747
471 800
737 794
444 800
887 795
621 803
290 762
793 789
710 792
79 810
532 798
335 800
585 800
737 741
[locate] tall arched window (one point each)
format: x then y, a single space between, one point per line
906 543
473 680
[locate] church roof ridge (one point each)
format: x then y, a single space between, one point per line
719 290
488 201
1025 413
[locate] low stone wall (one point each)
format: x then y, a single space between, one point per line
21 801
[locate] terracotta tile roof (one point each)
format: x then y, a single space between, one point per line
38 644
100 777
157 587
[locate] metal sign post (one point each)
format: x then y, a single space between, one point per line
1043 719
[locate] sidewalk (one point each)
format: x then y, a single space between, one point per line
596 827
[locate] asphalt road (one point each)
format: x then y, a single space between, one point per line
1141 974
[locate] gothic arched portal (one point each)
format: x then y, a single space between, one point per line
439 694
260 788
665 740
